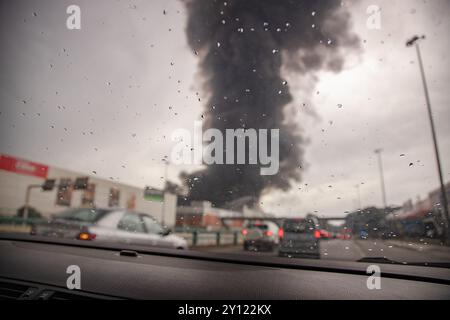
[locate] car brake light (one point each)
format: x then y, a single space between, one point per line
269 233
86 236
244 232
317 234
281 233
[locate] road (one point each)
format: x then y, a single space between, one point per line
356 249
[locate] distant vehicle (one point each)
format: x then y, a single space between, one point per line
342 236
299 238
363 234
324 234
111 225
260 236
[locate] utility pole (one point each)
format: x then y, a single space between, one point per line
359 197
380 165
26 207
444 202
163 218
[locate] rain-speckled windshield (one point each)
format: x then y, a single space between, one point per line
284 129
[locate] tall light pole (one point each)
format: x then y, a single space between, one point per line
359 197
409 43
380 165
163 218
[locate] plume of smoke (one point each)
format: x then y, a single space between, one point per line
242 45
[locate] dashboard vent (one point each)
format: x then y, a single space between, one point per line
24 291
11 291
57 295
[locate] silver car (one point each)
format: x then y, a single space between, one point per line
112 225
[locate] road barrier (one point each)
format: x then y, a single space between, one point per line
211 238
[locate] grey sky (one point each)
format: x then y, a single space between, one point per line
108 96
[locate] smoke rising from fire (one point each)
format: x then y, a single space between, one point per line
242 45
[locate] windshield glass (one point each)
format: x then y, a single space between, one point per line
258 226
82 215
298 226
288 129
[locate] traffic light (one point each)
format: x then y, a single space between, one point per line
48 185
81 183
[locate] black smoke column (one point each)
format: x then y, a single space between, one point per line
242 45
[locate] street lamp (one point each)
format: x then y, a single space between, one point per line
409 43
380 165
359 197
166 166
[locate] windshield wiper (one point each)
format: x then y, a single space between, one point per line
389 261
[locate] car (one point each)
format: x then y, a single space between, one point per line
299 238
109 225
363 234
260 236
325 235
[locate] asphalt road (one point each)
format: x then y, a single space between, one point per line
356 249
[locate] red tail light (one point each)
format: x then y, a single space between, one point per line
244 232
317 234
281 233
269 233
86 236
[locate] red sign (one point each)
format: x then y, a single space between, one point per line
23 166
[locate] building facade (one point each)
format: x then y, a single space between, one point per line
17 175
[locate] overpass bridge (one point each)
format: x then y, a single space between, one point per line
277 220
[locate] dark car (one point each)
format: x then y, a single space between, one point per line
299 238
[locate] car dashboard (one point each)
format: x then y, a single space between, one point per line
36 269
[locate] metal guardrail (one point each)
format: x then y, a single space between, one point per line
211 238
14 220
